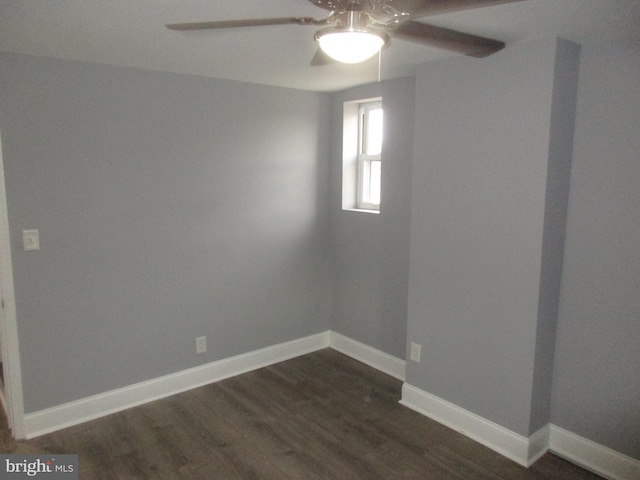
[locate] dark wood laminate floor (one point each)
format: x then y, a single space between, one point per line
321 416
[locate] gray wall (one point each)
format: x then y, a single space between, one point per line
478 210
596 388
161 222
371 251
169 207
561 135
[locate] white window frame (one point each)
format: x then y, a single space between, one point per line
351 147
364 201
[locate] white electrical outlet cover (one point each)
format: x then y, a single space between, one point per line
30 240
415 351
201 344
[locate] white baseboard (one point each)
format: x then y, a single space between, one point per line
525 451
377 359
491 435
79 411
593 456
538 445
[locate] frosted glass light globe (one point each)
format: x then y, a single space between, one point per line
349 46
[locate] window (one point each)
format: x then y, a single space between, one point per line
361 155
369 150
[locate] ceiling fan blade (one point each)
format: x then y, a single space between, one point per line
439 37
434 7
258 22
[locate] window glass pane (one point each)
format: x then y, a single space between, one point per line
373 135
374 183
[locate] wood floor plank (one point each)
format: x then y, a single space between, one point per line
320 416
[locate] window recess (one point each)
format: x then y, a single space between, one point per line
362 155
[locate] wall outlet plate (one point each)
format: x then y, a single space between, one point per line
30 240
201 344
416 350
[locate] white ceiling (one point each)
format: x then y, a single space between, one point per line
132 33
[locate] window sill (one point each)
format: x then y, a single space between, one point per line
361 210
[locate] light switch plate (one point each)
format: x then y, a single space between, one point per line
30 240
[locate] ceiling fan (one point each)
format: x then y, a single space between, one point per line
356 30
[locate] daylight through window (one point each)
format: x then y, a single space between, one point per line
369 155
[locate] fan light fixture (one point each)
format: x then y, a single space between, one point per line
353 42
